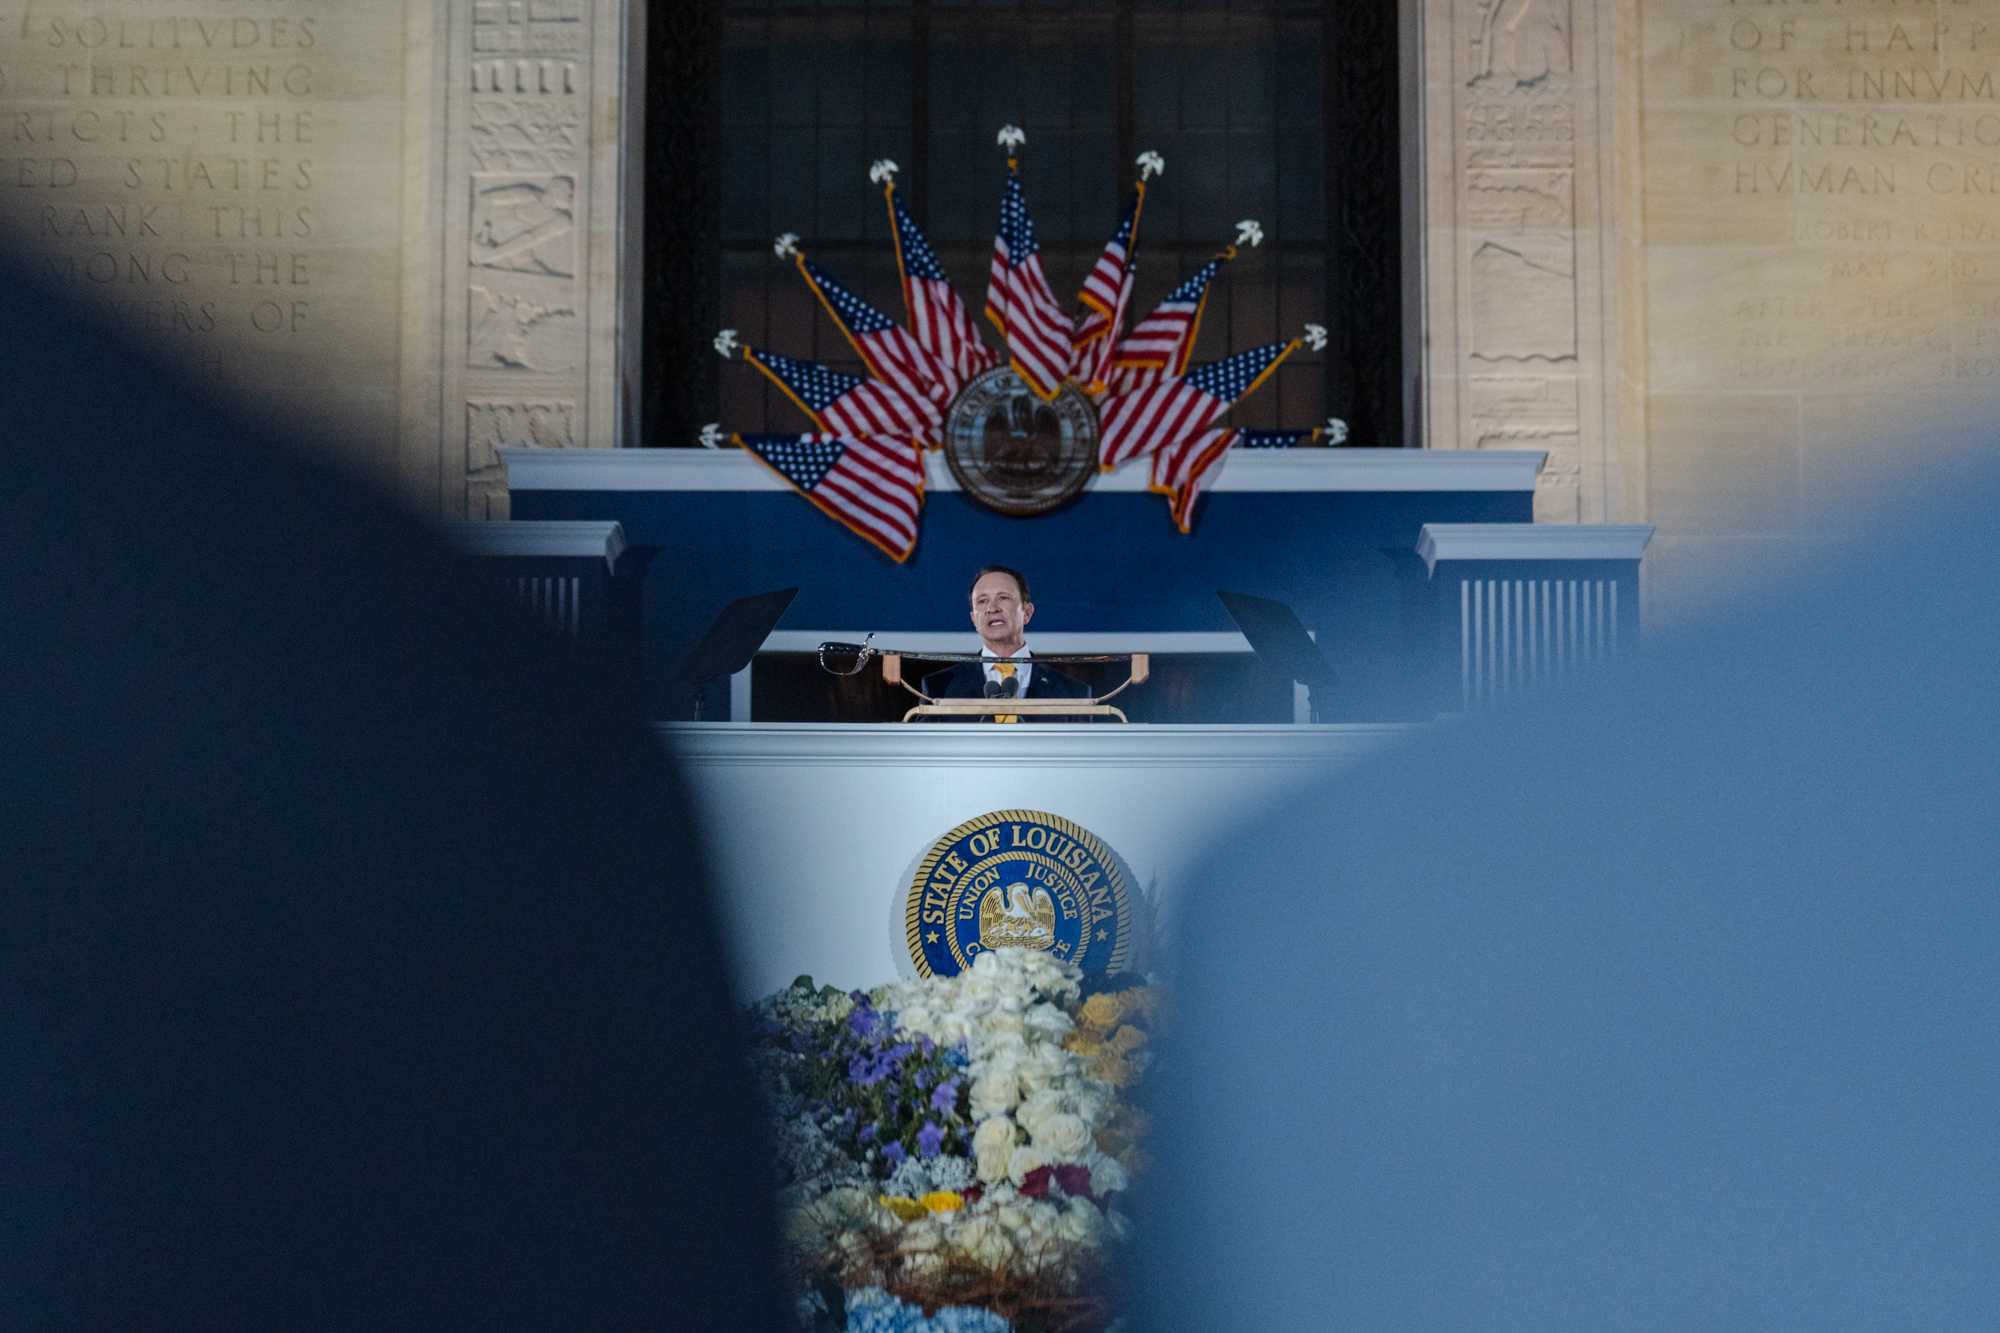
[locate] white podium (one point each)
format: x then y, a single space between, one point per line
813 830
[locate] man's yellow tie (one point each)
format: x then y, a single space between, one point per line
1005 670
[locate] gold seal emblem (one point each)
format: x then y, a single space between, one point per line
1020 879
1014 453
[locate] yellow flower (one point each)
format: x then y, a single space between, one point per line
943 1201
1083 1044
1101 1012
1112 1068
906 1209
1127 1039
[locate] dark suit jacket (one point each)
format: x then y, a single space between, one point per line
967 680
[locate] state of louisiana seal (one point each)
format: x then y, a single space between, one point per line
1019 879
1014 453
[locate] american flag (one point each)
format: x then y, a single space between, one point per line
1105 295
1106 281
885 346
1162 342
1019 302
872 487
1181 469
938 318
1143 420
844 404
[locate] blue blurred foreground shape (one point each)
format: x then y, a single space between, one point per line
1671 1004
354 972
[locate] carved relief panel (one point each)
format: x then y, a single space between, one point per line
1511 284
526 284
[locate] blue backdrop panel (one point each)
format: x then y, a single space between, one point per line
1345 560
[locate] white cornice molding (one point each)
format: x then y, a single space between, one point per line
1532 541
913 642
571 538
1247 470
976 745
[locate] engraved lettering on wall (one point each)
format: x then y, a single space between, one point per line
169 163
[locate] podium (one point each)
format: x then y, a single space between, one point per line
813 829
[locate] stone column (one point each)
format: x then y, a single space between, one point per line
532 241
1516 304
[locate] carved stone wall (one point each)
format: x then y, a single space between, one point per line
394 224
532 207
1514 292
1736 266
1815 252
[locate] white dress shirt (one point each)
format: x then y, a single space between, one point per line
1022 670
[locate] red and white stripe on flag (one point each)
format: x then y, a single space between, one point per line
1092 366
944 326
1139 422
872 486
1037 332
873 408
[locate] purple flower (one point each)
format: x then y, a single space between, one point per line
863 1021
930 1140
894 1155
867 1134
865 1070
946 1097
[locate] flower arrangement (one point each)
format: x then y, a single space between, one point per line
952 1150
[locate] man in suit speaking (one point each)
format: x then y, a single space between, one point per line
1001 611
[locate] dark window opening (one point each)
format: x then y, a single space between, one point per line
764 117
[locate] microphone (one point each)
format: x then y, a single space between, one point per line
1002 689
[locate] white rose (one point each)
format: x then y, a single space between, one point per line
1094 1107
1001 1048
1081 1223
918 1236
992 1146
1025 1159
985 1240
1045 1020
1064 1137
1002 1023
1016 1217
1048 1064
995 1092
1107 1175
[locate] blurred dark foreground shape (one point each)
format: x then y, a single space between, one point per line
355 970
1674 1005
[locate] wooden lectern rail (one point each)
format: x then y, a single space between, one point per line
969 709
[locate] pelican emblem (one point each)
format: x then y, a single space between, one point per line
1020 916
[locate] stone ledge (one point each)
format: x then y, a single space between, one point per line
1531 541
557 538
1287 470
980 746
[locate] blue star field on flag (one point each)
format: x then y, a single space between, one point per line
1229 379
919 260
873 487
1191 290
860 318
1272 439
816 386
803 459
1017 228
